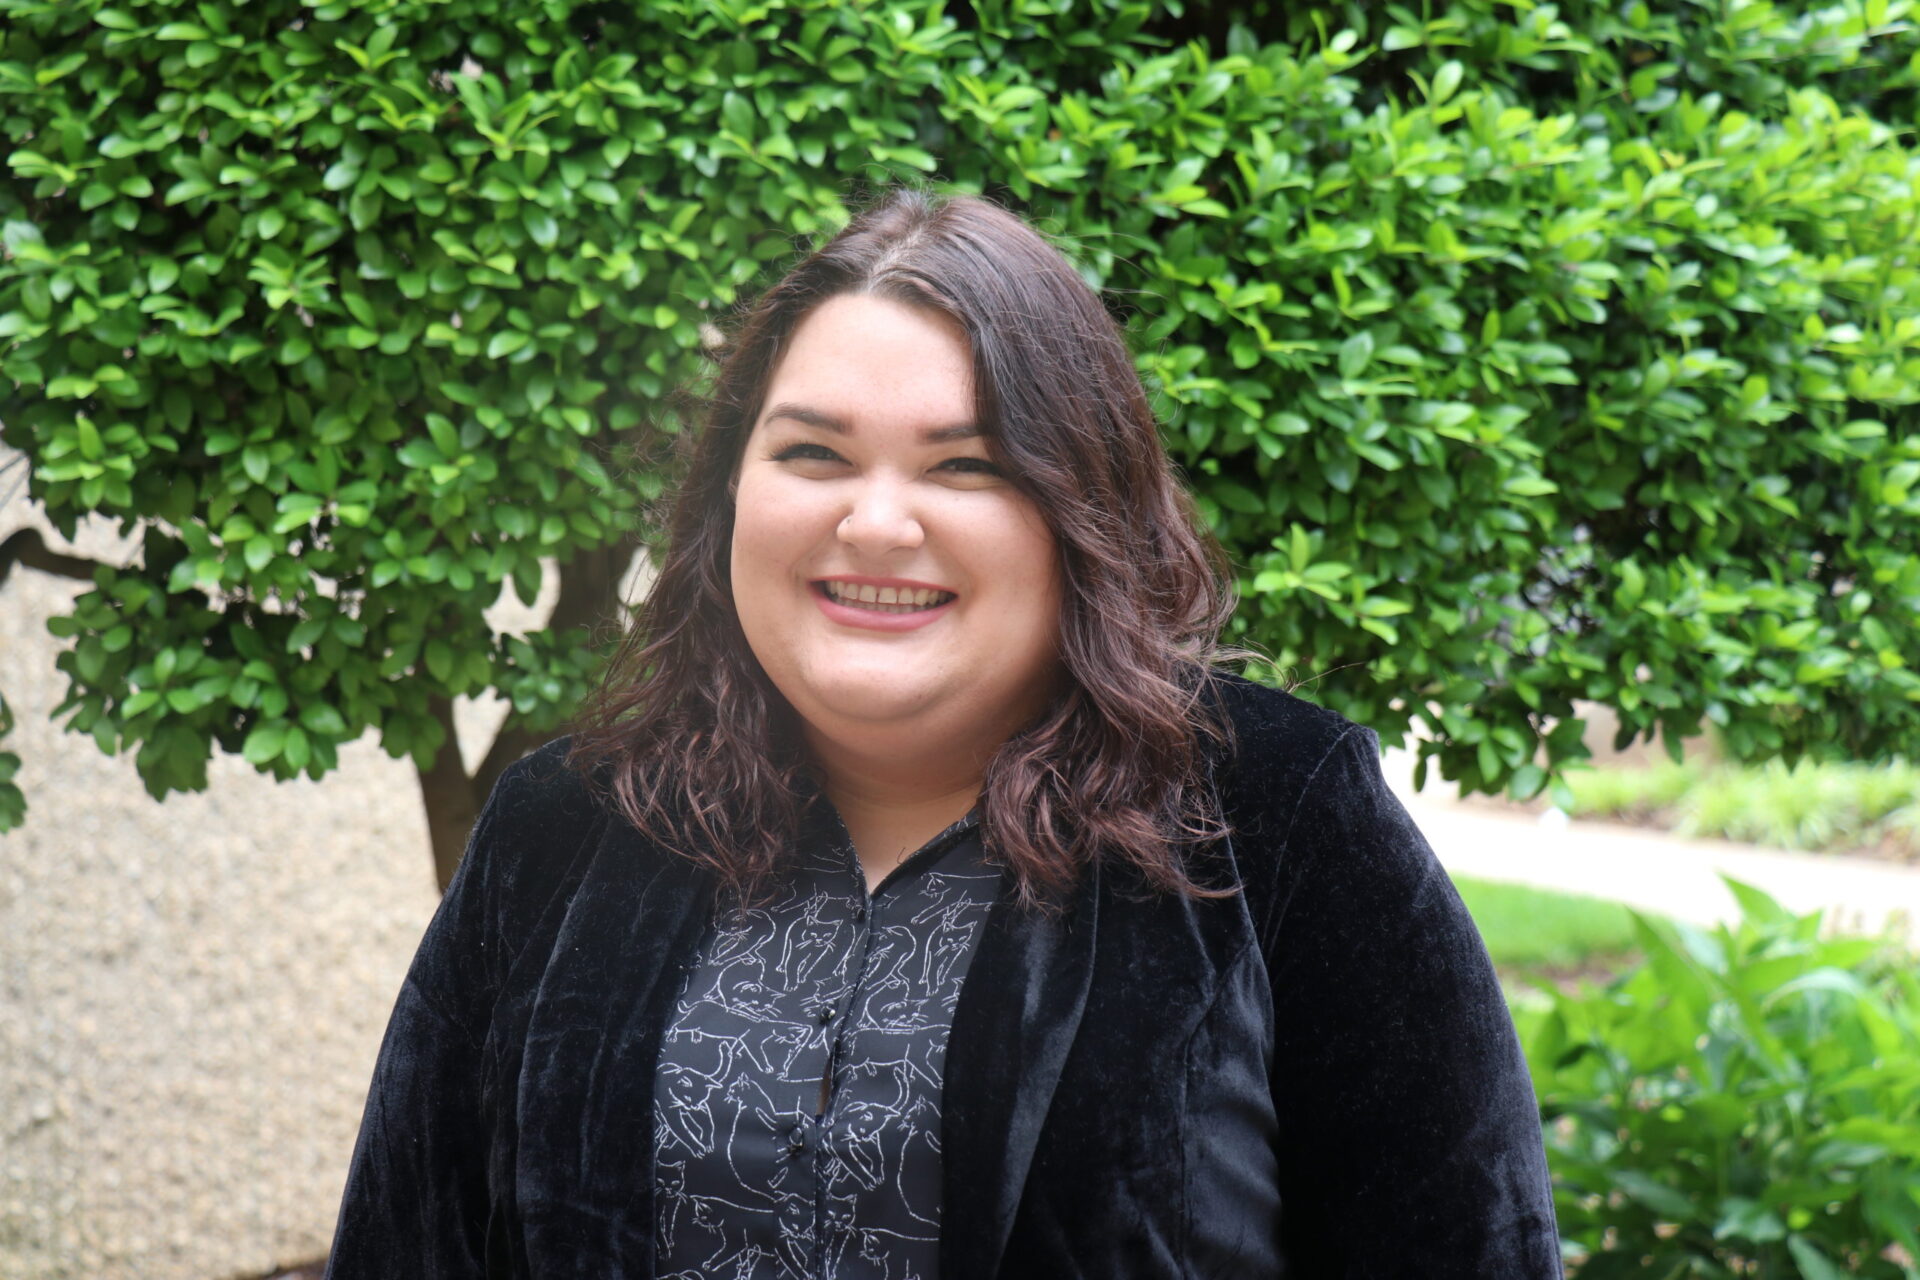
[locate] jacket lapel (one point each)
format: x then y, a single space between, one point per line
1019 1010
585 1098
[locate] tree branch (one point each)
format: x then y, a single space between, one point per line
26 547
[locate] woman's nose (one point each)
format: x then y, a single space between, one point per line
882 519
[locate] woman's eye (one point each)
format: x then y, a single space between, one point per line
973 466
808 451
820 453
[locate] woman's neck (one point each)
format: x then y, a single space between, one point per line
891 806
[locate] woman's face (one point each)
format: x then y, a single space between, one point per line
864 477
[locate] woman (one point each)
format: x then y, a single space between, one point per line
919 899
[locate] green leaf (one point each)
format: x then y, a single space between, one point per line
1356 353
305 633
256 463
188 189
505 343
296 750
1527 782
297 511
445 438
420 454
542 227
265 742
60 67
1755 903
1813 1264
539 390
323 721
1654 1195
1745 1219
1236 497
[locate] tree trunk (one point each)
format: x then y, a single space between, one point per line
589 592
449 796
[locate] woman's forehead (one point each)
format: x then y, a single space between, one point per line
859 360
806 415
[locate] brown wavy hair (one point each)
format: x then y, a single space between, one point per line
697 749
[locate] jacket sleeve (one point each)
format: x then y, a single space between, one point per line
416 1198
1410 1140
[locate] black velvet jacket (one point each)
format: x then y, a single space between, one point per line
1103 1086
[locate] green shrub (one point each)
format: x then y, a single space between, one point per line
1815 806
1747 1102
359 310
1520 355
1638 794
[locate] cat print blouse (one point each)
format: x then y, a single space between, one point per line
797 1099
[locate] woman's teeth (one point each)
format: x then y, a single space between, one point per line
886 599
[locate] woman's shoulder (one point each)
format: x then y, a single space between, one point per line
1278 738
541 813
544 785
1295 773
1307 802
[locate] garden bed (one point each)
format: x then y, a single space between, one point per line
1852 809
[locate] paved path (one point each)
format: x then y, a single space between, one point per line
1679 878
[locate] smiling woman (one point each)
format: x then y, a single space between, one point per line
922 895
934 397
862 479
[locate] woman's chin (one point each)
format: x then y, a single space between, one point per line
871 706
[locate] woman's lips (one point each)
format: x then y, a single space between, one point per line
873 619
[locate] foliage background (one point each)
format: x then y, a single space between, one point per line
1743 1103
1521 354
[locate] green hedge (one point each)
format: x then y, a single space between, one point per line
1744 1103
1521 355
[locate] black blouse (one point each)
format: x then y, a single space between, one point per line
797 1098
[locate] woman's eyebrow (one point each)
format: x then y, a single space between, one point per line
811 417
